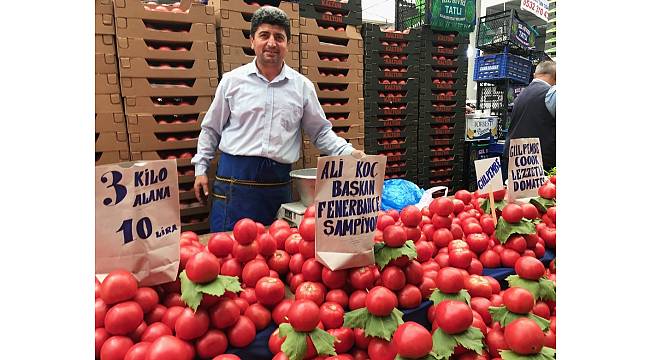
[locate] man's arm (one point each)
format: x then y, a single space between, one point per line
215 119
550 100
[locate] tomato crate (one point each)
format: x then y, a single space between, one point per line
387 33
108 103
330 15
335 6
107 84
380 143
237 14
168 69
375 85
168 87
350 131
341 105
440 150
388 121
104 24
409 175
443 37
498 67
232 57
505 29
436 130
187 12
111 157
404 109
166 105
374 73
440 161
199 227
183 157
328 30
455 119
164 30
193 207
441 108
391 97
339 91
391 132
430 96
332 76
409 155
111 141
429 48
105 63
110 122
105 44
320 59
104 7
425 141
383 59
395 167
331 45
242 38
291 8
164 123
443 61
166 50
345 118
147 141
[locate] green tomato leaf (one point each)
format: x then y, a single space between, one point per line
219 286
443 344
323 341
530 285
295 344
505 317
438 296
546 354
385 254
542 204
504 229
356 318
285 329
498 205
384 326
471 339
543 323
378 246
546 289
190 293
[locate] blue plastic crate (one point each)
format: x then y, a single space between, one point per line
497 67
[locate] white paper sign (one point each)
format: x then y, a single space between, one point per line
525 168
478 127
488 175
537 7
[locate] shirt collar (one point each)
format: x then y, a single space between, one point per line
284 73
540 80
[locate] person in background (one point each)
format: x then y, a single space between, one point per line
255 120
533 115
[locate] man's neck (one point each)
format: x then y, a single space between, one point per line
270 72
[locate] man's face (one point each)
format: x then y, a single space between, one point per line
270 44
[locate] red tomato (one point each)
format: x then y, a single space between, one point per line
307 248
541 309
409 297
464 196
426 287
457 231
425 250
231 267
413 233
227 357
296 262
546 233
517 243
156 314
495 342
277 225
360 339
383 221
524 336
481 306
311 270
459 206
173 299
547 191
441 222
101 335
260 316
138 351
147 298
333 279
530 211
393 213
487 224
115 348
190 325
518 300
380 349
344 339
220 244
253 271
414 273
512 213
410 216
509 257
442 258
472 228
269 291
442 237
357 299
225 314
120 285
275 342
393 278
123 318
478 286
549 339
154 331
242 333
168 348
337 296
100 312
449 280
394 236
266 244
529 268
460 258
303 315
442 206
311 291
380 301
98 288
248 294
245 231
453 317
280 311
279 262
331 314
281 236
311 211
414 341
362 278
307 228
203 267
212 343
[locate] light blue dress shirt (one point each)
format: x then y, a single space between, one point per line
550 100
255 117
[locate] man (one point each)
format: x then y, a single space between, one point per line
255 120
533 114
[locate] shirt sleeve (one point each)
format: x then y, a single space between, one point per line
215 119
318 128
550 100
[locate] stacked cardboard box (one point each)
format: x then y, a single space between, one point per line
234 35
441 122
168 76
331 56
111 141
391 94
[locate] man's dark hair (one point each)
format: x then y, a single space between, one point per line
272 16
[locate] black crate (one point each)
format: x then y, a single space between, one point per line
452 119
430 47
391 47
444 37
425 141
384 121
449 62
374 86
392 132
391 59
409 155
380 98
331 5
401 109
380 144
505 30
429 96
381 32
442 84
331 16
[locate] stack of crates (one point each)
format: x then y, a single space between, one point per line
391 95
111 140
234 31
168 76
331 56
441 120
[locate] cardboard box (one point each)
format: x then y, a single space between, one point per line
241 38
192 12
147 141
141 28
146 105
165 154
316 27
105 44
201 228
181 87
111 157
236 19
149 49
322 59
104 24
235 56
339 91
345 118
193 209
111 141
163 123
108 103
105 64
107 84
110 122
349 132
330 45
103 6
139 67
349 76
335 16
291 8
347 105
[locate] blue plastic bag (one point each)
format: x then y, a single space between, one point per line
398 194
